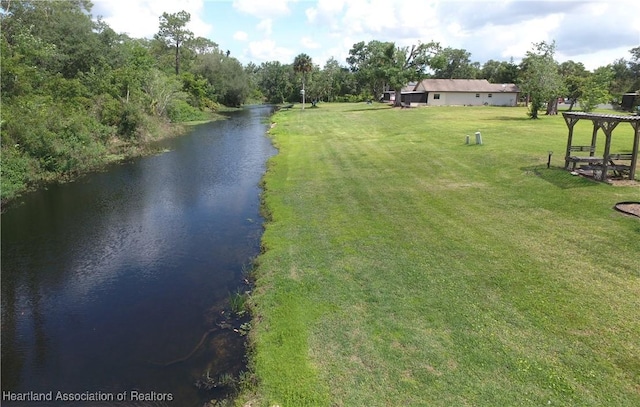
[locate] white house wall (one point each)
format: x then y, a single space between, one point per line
460 98
504 99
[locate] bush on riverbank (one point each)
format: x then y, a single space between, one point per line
76 94
44 142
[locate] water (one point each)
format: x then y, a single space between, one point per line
108 278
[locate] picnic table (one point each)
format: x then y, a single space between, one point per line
608 161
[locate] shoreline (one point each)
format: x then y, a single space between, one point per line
118 152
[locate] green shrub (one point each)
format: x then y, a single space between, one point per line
238 303
351 98
14 172
181 111
131 119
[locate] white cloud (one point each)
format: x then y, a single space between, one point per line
309 43
373 16
498 42
266 50
348 22
597 9
487 29
593 61
339 53
388 20
312 14
240 36
262 8
266 26
141 18
325 11
456 30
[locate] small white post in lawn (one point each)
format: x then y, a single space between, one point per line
478 138
302 93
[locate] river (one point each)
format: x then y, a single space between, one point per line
107 279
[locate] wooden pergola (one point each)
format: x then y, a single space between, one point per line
623 163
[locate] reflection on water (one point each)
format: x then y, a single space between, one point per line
104 278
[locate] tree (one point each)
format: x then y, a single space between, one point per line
197 88
596 88
302 64
201 46
541 79
451 63
384 63
330 79
66 26
626 76
314 84
161 92
363 63
252 72
174 34
634 67
236 89
500 71
228 80
346 83
273 81
27 63
407 65
72 86
574 75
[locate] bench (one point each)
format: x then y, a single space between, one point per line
621 156
597 163
620 169
574 159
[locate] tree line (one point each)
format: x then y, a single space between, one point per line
76 94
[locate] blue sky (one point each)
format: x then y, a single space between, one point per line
592 32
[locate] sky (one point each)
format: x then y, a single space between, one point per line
595 33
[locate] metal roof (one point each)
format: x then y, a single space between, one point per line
603 117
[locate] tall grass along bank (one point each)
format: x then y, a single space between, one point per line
402 267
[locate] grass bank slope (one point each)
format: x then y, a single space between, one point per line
405 268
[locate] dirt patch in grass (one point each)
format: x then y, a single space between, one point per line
615 181
631 208
624 182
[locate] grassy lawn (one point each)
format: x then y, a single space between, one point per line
405 268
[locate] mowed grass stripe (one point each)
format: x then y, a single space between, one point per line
403 267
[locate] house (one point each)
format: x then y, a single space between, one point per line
449 92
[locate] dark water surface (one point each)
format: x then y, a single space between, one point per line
105 277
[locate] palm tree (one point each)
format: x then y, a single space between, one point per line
302 64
